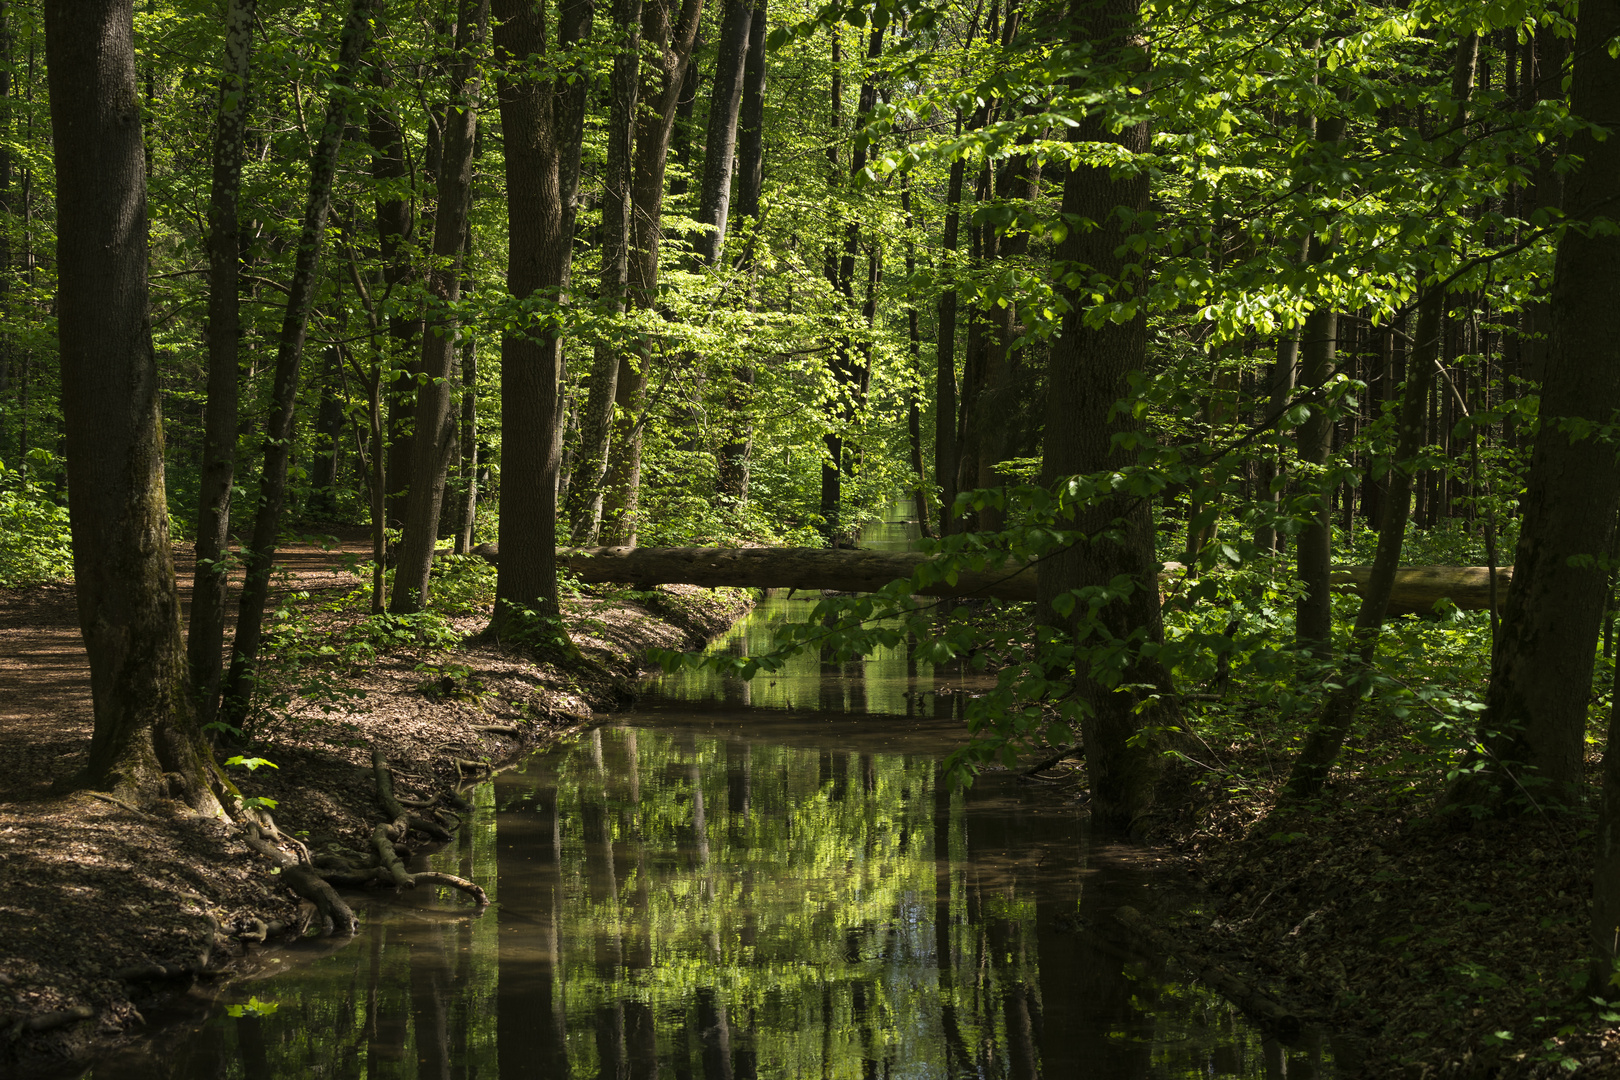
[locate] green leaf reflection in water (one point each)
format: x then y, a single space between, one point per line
672 903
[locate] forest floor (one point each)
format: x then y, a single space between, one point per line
1426 945
106 909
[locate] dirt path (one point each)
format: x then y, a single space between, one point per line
45 712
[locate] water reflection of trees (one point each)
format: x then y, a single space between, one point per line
680 905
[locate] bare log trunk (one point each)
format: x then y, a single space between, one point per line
1415 591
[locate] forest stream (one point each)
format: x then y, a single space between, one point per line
736 881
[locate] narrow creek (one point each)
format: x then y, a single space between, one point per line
747 880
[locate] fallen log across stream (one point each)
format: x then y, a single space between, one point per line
1417 588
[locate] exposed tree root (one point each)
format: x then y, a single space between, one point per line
305 880
317 878
50 1021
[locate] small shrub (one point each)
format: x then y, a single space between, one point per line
36 543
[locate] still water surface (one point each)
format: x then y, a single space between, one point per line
739 881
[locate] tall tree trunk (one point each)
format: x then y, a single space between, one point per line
1003 387
832 439
129 607
913 404
327 453
732 484
720 142
6 163
947 453
391 174
671 47
435 426
1534 727
751 125
850 368
1089 372
596 426
467 501
238 689
1323 743
1313 614
206 643
543 119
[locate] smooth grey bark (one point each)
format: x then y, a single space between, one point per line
146 728
542 99
238 688
720 142
664 76
732 483
596 425
206 642
435 422
1324 741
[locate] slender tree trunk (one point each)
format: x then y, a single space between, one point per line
146 728
327 454
913 404
1089 371
751 126
720 143
543 120
1003 386
1324 742
946 452
467 505
596 426
238 689
435 426
391 174
671 46
6 254
206 644
1313 615
850 368
734 452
